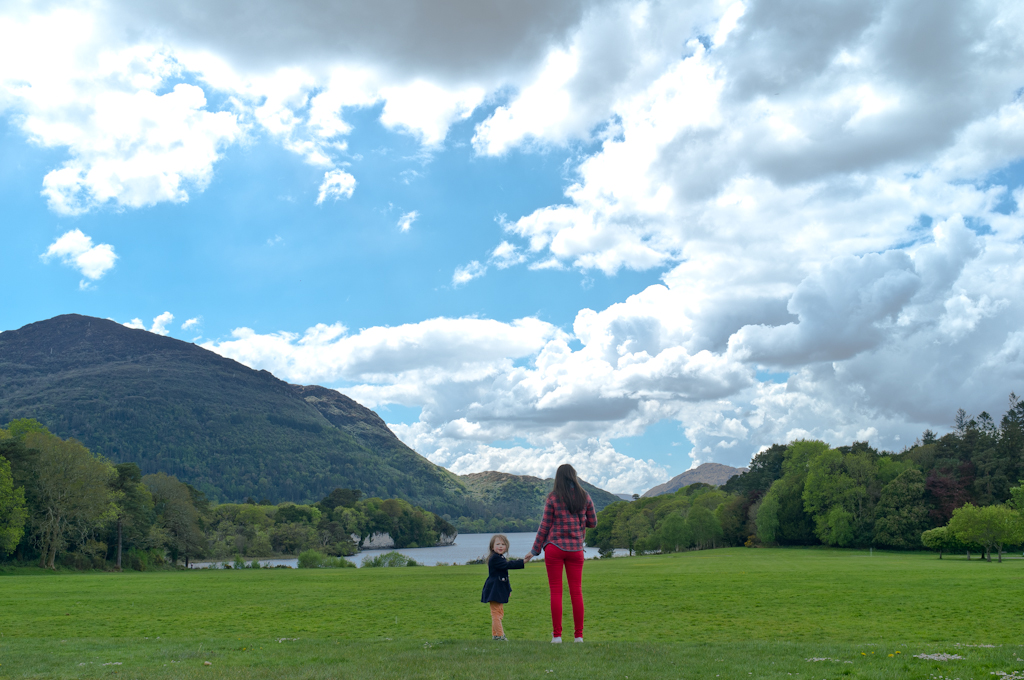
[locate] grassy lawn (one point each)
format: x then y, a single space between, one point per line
734 613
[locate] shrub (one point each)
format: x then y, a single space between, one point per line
311 559
390 559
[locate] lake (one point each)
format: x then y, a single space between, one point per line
466 547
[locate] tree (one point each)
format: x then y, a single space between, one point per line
632 527
703 527
836 495
133 504
992 526
902 514
767 520
942 540
795 526
12 510
732 516
177 515
72 493
674 534
764 469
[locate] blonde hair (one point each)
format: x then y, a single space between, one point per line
494 539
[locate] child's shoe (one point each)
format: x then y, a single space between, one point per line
556 640
499 637
578 640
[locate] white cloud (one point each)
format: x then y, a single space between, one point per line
161 323
506 255
75 249
191 323
817 187
406 220
466 273
337 184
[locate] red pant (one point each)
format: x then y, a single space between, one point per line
554 559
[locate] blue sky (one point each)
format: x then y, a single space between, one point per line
634 236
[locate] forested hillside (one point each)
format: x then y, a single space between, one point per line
226 429
505 502
810 493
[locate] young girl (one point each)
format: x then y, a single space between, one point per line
496 587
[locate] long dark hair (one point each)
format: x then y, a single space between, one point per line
568 489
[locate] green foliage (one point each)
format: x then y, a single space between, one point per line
902 511
942 539
703 527
632 528
70 494
765 467
177 516
837 494
311 559
390 559
12 510
768 518
991 526
674 534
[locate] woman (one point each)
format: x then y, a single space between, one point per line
568 512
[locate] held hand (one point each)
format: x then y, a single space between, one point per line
529 556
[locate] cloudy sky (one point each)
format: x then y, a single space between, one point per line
635 236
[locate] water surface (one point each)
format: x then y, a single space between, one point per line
466 547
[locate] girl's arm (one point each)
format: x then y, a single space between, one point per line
545 527
591 515
502 562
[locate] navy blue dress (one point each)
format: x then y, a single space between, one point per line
497 587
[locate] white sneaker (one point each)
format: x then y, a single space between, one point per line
556 640
578 640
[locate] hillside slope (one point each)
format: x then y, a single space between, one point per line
522 495
230 431
714 474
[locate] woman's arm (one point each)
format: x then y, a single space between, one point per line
591 515
545 527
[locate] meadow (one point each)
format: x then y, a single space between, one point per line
729 613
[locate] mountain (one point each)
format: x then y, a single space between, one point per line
229 430
522 495
714 474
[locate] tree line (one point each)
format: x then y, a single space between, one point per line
958 491
62 505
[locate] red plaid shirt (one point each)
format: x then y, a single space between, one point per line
562 528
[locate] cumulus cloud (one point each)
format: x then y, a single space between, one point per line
159 325
891 343
337 184
406 220
76 250
191 323
466 273
818 183
134 137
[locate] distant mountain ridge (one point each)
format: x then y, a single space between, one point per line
229 430
714 474
519 495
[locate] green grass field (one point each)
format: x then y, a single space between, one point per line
734 613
